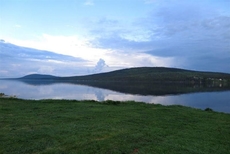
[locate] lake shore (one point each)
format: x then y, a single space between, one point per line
70 126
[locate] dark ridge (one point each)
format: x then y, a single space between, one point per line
154 74
144 74
143 80
38 76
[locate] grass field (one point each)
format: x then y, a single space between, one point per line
69 126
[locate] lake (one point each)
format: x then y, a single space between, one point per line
195 96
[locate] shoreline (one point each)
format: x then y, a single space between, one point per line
2 95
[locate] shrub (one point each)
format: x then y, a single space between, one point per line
110 102
208 109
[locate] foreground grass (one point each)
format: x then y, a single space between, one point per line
62 126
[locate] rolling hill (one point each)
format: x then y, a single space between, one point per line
143 74
144 81
38 76
154 74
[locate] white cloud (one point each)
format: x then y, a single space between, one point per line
67 45
45 70
171 33
82 48
89 2
179 31
123 60
4 72
99 66
17 26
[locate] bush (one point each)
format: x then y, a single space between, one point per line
2 95
208 109
110 102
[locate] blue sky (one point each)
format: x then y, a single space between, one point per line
114 34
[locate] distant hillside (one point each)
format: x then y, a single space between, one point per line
145 74
39 76
144 81
155 74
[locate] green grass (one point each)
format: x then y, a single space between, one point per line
69 126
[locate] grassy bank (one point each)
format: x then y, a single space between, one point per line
65 126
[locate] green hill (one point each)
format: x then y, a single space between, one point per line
143 74
155 74
38 76
144 81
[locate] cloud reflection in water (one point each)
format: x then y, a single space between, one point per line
218 101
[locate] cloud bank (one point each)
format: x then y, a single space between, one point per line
196 35
18 61
172 33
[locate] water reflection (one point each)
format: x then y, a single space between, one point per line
140 88
218 101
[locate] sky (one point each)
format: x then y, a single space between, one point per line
106 35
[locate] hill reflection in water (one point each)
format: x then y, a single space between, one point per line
198 96
141 88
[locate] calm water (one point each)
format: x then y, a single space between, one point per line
218 101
